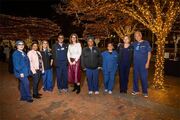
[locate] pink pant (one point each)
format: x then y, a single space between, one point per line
74 73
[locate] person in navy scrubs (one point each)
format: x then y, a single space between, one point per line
125 57
60 60
142 56
22 71
109 66
47 61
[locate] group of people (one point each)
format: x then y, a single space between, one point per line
68 60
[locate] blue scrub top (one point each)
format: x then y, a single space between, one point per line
21 64
60 54
141 50
110 61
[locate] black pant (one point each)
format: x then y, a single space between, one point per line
36 79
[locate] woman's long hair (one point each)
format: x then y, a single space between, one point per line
70 39
41 46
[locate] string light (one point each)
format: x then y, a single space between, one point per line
155 16
158 24
13 28
91 10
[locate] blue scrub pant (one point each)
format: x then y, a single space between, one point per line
92 79
36 78
109 78
25 89
140 71
124 77
62 77
47 80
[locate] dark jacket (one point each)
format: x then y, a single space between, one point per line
120 53
21 64
91 59
46 57
59 54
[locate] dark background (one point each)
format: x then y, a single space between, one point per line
41 9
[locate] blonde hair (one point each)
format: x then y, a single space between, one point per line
70 39
128 37
41 45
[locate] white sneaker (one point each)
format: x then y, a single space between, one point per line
105 90
110 92
65 90
90 92
96 92
145 95
135 93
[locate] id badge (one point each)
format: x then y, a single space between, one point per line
62 48
137 47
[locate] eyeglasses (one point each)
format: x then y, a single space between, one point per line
60 37
20 44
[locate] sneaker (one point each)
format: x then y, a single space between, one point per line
96 93
110 92
90 92
65 90
105 90
145 95
135 93
60 91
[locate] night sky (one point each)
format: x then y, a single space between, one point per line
37 8
41 9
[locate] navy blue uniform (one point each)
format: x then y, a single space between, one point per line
110 64
125 56
61 64
141 50
22 66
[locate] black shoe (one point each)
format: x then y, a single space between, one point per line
30 101
36 96
78 89
39 94
123 92
23 99
75 87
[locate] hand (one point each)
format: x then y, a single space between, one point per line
74 63
99 68
21 75
147 65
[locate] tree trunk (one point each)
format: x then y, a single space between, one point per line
158 80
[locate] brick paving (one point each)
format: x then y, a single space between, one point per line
161 104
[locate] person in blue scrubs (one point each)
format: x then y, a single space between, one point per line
22 71
109 67
125 58
47 62
142 56
60 60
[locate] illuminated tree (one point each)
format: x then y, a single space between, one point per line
13 28
100 19
158 16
